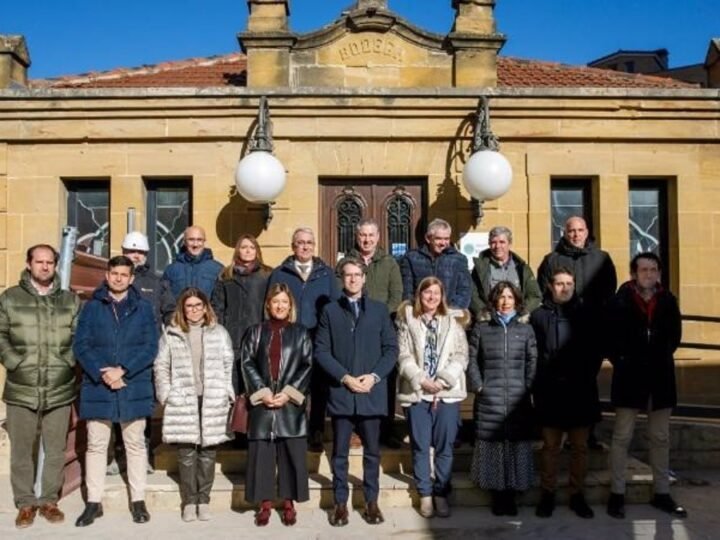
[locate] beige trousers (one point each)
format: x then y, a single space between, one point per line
98 434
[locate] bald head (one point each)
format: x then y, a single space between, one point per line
576 231
194 239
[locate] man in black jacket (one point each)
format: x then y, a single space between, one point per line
356 346
565 390
645 329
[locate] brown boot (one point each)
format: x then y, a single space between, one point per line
52 513
25 516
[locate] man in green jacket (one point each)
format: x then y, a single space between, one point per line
500 263
384 284
37 320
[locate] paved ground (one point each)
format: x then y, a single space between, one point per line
699 491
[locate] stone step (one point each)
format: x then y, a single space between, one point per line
232 460
396 490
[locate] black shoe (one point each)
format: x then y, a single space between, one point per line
339 516
497 507
92 511
139 512
580 506
666 503
547 504
616 506
511 508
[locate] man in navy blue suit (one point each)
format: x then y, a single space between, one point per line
356 346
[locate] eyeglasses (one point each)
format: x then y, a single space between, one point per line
194 307
305 243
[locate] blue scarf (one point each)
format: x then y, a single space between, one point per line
505 319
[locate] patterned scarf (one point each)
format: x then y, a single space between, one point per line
430 358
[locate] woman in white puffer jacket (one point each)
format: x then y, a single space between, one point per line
431 384
193 380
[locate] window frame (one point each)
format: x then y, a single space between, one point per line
152 186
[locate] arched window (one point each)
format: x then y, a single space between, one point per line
399 212
349 213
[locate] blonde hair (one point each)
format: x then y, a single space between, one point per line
230 269
273 291
426 284
179 319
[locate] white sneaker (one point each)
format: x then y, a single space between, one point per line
426 507
189 512
442 509
203 512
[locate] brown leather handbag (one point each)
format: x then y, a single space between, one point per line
239 415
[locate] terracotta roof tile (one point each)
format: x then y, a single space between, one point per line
230 70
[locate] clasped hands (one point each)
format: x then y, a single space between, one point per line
276 401
359 385
431 386
113 377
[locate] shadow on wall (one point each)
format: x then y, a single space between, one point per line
239 216
449 203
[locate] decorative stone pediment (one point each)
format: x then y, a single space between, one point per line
367 46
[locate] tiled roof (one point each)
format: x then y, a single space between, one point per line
229 70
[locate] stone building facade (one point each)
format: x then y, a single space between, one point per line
377 114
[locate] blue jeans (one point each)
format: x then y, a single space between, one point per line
435 426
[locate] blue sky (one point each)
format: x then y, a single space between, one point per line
76 36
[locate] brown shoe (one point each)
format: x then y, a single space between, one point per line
372 514
25 516
52 513
339 515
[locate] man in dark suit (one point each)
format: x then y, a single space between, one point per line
357 347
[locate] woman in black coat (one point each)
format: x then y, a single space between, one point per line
501 370
276 360
239 293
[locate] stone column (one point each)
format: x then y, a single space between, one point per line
14 61
475 43
267 42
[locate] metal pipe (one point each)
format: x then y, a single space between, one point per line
130 219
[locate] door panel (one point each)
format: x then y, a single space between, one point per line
396 204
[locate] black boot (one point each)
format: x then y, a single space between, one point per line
497 506
139 512
92 511
547 504
616 505
580 506
511 508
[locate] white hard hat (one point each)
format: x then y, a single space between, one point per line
136 240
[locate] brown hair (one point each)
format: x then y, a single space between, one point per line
498 289
230 269
179 319
273 291
426 284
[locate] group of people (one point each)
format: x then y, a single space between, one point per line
305 341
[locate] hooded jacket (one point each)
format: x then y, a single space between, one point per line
36 345
124 335
175 385
189 271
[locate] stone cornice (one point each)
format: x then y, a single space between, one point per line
460 41
266 40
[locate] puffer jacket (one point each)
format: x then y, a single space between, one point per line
501 372
594 271
175 387
450 267
127 339
294 381
188 271
36 345
452 353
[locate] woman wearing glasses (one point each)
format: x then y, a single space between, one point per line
193 379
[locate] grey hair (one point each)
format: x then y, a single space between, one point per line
435 224
299 230
500 230
367 222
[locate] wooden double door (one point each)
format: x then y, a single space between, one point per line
397 204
